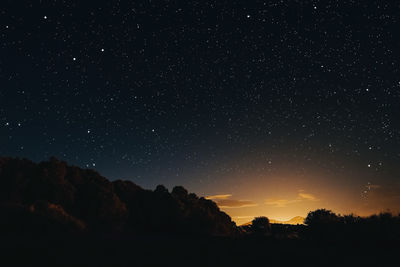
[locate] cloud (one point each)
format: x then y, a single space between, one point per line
225 201
244 217
219 197
280 202
301 196
233 203
306 196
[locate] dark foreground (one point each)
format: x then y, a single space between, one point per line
173 250
53 214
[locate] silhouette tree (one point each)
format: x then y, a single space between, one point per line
321 217
161 189
261 225
52 193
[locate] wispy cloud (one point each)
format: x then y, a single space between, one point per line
306 196
219 197
225 201
301 196
234 203
280 202
244 217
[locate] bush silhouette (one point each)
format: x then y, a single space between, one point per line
326 225
321 217
82 199
261 225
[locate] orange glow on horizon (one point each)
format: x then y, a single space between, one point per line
284 196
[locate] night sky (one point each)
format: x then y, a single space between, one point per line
268 107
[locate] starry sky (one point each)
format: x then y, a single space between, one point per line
267 107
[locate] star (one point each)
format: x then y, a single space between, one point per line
280 88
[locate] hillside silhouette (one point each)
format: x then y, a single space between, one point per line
52 196
60 215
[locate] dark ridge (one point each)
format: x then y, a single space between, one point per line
53 196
